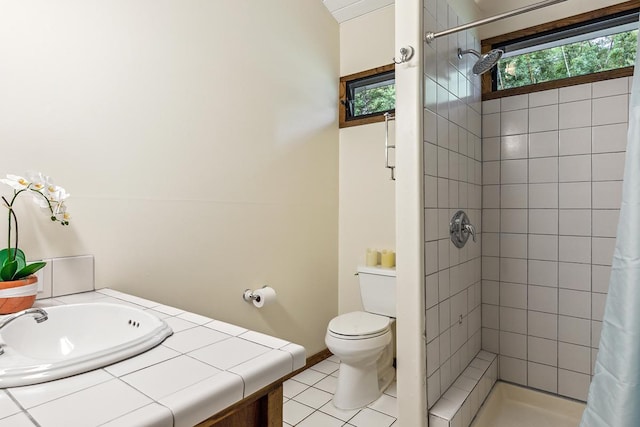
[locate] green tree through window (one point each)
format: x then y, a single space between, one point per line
575 59
374 100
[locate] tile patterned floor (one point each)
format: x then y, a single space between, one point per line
307 401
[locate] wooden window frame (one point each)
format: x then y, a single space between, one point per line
342 110
488 44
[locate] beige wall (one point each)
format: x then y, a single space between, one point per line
367 195
199 141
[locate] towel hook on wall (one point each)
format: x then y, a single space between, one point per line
406 53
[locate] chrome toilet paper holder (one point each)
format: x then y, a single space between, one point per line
250 296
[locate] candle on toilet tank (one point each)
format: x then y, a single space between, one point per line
388 259
372 257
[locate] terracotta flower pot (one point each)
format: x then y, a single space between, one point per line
15 304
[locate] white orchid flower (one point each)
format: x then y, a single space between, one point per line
56 193
46 194
38 181
16 182
60 213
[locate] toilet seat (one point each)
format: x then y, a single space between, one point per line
358 325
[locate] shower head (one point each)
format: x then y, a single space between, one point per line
485 62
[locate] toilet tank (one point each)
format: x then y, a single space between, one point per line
378 290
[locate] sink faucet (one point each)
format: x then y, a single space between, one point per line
39 316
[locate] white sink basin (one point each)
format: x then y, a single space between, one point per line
76 338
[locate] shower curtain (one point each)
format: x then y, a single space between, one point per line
614 395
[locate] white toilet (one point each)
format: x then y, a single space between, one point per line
363 341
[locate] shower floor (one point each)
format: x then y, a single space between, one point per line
512 406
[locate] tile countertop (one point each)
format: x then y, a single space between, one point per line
204 367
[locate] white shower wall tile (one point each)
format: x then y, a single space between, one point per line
542 325
513 245
547 97
542 377
576 141
543 144
543 170
518 102
574 330
541 350
574 303
605 222
491 106
603 248
574 195
597 306
514 122
574 168
513 147
574 276
611 109
542 221
513 295
513 345
575 222
511 220
543 247
607 195
575 93
573 384
608 167
600 278
542 119
543 196
513 320
513 196
513 270
610 87
575 114
513 171
574 249
609 138
490 149
574 357
513 370
542 273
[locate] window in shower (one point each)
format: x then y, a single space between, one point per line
589 47
365 97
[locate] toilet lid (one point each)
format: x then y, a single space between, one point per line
358 323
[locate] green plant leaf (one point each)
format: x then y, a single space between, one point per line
9 270
7 253
29 269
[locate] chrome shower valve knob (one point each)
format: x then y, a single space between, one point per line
460 228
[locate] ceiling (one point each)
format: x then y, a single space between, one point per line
343 10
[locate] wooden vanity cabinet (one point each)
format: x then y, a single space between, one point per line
261 409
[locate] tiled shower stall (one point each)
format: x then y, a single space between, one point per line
540 176
452 181
553 163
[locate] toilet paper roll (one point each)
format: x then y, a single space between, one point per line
264 296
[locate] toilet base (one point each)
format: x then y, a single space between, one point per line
360 385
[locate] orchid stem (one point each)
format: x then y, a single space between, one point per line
9 227
15 221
